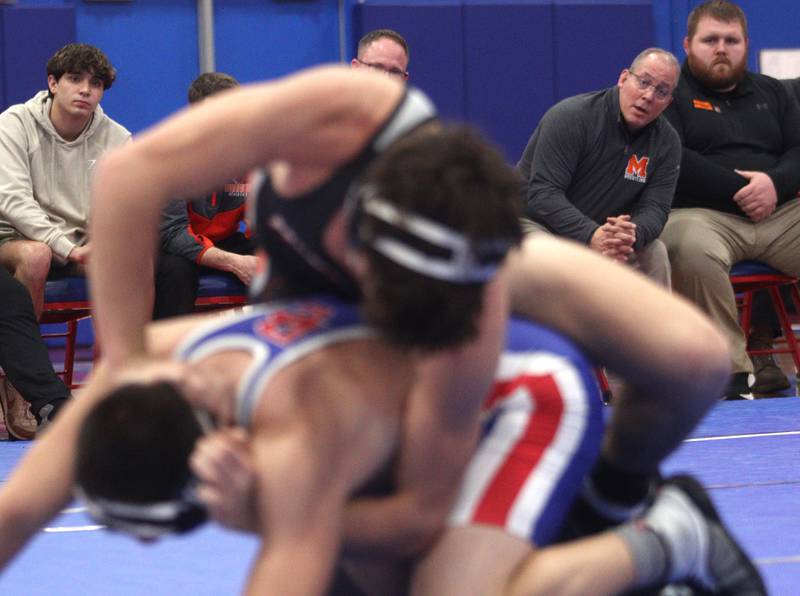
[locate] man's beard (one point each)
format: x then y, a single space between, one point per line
717 80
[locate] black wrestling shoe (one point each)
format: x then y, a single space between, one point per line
703 553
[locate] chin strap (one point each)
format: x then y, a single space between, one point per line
147 521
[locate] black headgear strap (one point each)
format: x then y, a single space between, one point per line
421 244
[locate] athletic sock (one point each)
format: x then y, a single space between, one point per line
681 538
650 554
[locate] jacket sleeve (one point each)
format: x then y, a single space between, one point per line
786 173
555 158
652 209
710 185
177 237
18 204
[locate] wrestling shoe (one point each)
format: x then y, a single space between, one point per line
19 421
702 552
739 387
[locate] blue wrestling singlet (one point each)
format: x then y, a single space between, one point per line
541 435
276 335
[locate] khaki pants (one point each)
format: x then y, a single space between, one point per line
703 245
652 260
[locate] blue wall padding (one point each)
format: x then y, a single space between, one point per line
153 44
156 64
501 64
258 40
435 34
509 61
29 35
594 42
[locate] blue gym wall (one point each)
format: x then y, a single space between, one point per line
496 63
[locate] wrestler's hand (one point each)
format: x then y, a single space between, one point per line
759 198
206 389
223 464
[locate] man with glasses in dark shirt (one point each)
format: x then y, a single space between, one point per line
601 167
383 50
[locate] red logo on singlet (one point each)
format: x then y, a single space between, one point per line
286 325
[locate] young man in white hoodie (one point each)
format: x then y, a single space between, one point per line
48 147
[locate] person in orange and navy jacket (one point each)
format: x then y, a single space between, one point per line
209 232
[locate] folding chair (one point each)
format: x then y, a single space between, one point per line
217 291
602 383
748 277
66 301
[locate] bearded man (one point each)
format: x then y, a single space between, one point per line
736 197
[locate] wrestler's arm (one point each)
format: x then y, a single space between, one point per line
311 121
620 317
440 429
42 482
299 494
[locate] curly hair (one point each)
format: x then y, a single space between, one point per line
80 58
448 175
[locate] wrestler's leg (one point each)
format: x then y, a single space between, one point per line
674 362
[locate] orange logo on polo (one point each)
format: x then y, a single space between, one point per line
637 168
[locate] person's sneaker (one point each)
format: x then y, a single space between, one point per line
769 376
19 421
739 387
47 413
702 552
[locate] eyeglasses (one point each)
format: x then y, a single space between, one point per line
661 92
394 72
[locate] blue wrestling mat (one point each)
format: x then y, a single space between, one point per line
746 453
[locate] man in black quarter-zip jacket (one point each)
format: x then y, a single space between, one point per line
601 167
740 173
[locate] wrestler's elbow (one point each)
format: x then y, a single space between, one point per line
427 529
705 355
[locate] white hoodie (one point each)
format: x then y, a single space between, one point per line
44 180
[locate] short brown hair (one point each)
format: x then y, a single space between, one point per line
209 83
80 58
380 34
719 10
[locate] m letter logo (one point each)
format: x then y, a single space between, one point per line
637 168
